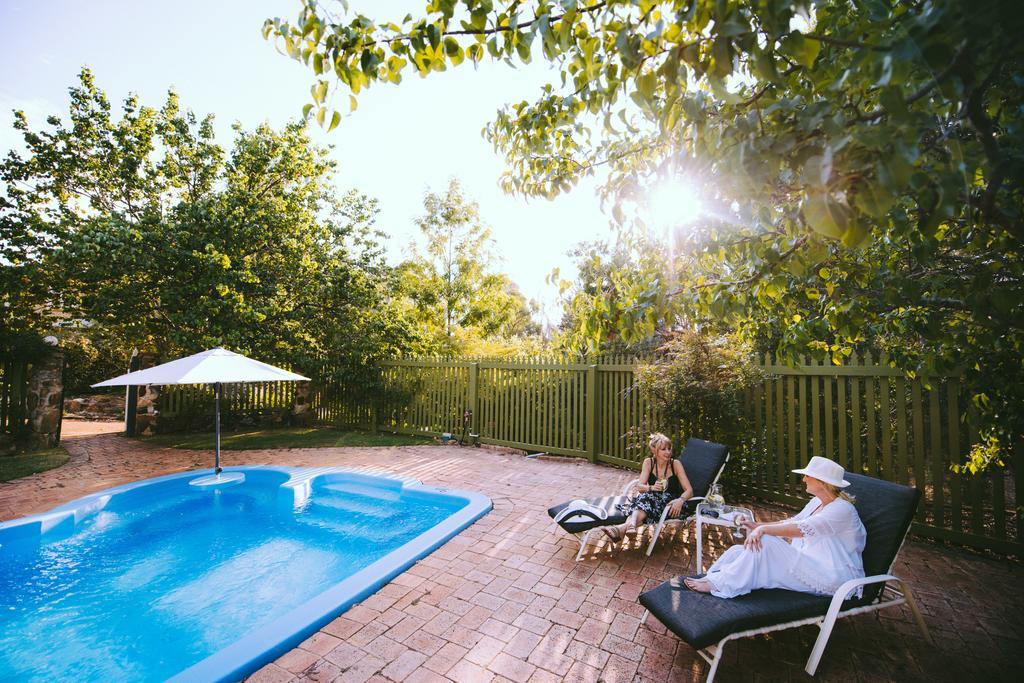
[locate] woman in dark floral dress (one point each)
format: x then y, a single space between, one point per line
662 482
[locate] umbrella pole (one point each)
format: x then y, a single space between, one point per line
216 422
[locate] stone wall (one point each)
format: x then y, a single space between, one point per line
145 410
45 400
95 407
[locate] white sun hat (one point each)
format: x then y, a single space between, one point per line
825 470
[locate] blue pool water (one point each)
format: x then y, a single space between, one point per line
145 581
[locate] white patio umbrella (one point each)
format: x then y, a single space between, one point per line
217 366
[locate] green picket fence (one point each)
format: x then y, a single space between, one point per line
866 415
556 406
178 404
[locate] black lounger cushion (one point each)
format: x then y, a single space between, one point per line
702 461
702 619
886 510
607 503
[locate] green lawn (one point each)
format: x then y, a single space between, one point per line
14 466
286 437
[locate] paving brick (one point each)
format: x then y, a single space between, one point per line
543 676
462 636
367 634
405 628
592 631
297 660
512 668
522 644
271 673
425 675
485 650
342 627
344 655
488 601
321 671
560 616
320 643
618 669
612 644
424 642
364 615
582 673
403 666
532 623
551 661
475 617
468 671
445 658
362 670
541 605
624 626
441 623
498 629
385 648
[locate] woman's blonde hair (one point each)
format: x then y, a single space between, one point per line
839 493
658 439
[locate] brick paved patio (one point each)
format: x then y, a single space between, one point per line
504 600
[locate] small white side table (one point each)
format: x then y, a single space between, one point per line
723 519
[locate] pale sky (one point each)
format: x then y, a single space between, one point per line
400 142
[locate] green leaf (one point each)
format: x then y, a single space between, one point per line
335 120
825 216
803 50
721 55
874 199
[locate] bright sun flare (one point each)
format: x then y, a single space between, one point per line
674 204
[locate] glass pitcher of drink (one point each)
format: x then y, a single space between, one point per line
715 498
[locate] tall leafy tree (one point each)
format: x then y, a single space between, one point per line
454 286
621 295
165 240
863 161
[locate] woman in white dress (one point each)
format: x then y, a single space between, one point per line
827 542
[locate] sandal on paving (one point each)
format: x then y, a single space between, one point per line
614 533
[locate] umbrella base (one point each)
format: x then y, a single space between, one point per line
215 480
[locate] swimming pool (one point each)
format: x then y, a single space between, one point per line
159 579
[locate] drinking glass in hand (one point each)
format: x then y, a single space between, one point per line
739 530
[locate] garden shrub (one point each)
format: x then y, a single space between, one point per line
697 383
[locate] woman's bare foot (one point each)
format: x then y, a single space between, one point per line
698 585
614 533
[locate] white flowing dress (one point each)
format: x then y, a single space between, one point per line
828 554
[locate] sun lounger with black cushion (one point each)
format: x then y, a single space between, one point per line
703 462
706 622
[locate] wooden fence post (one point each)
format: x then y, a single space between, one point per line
131 400
474 374
592 413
